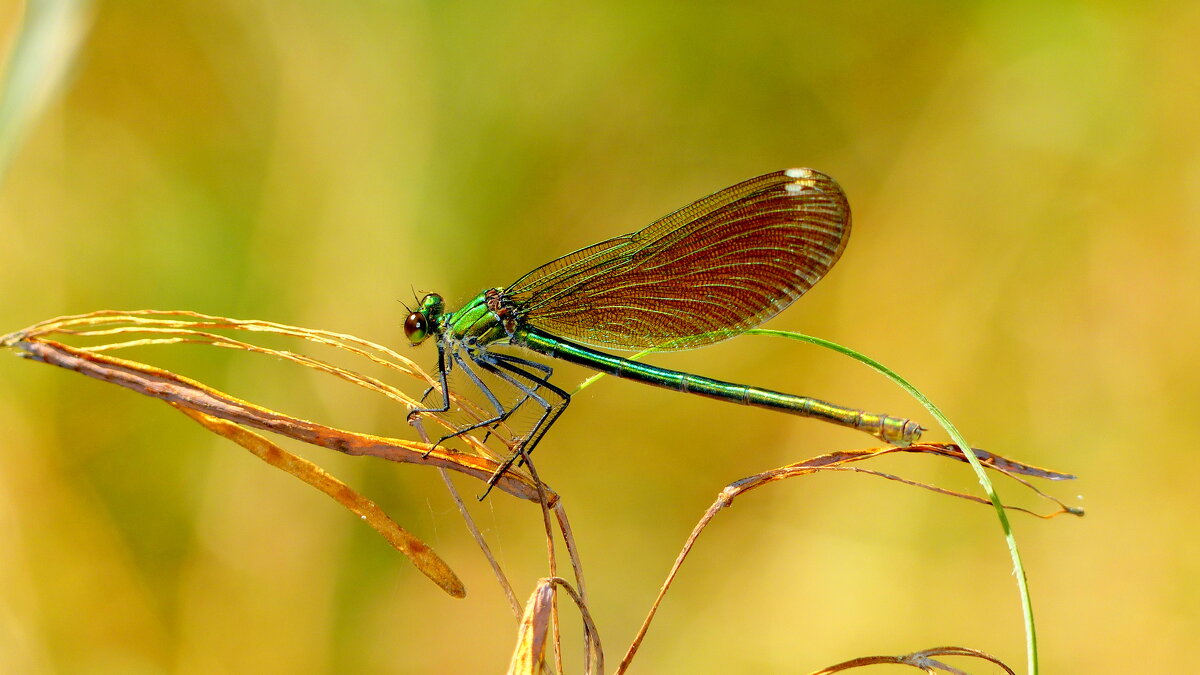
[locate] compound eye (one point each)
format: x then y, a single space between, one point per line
416 327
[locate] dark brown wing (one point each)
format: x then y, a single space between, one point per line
704 273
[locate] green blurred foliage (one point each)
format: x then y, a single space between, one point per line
1025 181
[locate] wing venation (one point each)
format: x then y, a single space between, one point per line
705 273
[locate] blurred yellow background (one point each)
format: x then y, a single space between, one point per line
1025 178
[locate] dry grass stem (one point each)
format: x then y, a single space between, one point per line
837 461
923 660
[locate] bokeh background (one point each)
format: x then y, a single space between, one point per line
1025 178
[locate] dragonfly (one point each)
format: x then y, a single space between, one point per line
708 272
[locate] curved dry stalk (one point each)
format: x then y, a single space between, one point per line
923 660
552 561
469 521
837 461
564 526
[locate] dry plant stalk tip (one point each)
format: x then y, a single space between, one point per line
233 418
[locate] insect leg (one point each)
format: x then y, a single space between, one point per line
497 364
502 413
551 411
544 370
443 370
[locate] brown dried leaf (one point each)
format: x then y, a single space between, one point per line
417 551
189 393
529 657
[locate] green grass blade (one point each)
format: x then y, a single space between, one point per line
50 35
984 481
592 380
955 435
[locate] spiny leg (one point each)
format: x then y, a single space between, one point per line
544 370
444 366
496 364
551 411
518 455
443 372
502 413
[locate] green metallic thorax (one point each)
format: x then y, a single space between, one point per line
474 320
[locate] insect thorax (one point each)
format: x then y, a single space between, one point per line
488 317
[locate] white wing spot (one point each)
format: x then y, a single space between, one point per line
794 188
798 173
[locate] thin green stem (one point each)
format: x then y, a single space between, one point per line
955 435
984 481
592 380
